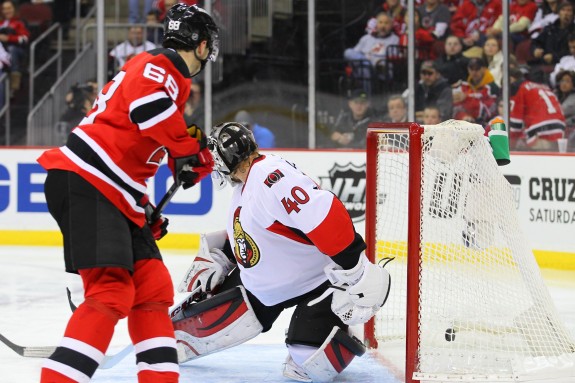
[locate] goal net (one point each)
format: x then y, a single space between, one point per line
466 288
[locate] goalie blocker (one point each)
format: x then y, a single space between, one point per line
217 323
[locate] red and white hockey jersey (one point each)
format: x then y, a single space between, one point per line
284 230
536 113
137 117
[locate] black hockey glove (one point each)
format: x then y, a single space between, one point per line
190 170
159 226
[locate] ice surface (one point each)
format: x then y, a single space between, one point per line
34 311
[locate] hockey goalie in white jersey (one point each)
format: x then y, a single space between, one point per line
287 243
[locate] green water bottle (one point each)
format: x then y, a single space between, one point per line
499 140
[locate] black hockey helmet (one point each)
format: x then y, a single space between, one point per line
230 143
189 25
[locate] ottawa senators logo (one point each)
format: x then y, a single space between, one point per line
157 156
273 177
245 249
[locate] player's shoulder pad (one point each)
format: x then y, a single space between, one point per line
174 58
280 176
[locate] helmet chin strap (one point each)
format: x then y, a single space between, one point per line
202 63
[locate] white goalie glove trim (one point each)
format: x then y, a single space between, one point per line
210 266
358 293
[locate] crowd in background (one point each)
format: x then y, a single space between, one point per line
459 67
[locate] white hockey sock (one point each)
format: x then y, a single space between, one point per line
300 353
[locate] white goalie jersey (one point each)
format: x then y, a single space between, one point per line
283 229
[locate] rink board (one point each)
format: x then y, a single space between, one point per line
543 187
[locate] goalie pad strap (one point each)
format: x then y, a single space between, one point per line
334 355
215 324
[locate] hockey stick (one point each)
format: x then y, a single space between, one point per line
112 360
73 307
164 201
170 193
109 361
36 351
29 351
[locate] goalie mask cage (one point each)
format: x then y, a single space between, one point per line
467 296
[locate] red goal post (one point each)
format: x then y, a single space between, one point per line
467 299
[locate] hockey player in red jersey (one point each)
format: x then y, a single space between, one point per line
289 243
96 191
535 114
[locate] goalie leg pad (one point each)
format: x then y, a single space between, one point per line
333 356
311 325
217 323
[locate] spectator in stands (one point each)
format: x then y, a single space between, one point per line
351 124
155 31
164 5
435 18
521 15
566 63
472 19
565 92
424 39
92 85
493 55
396 109
62 11
432 90
370 51
452 64
474 100
194 110
264 136
431 115
4 68
132 46
535 114
547 13
452 5
134 15
79 102
552 42
14 36
397 12
396 113
498 117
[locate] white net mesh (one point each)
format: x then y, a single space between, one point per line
485 313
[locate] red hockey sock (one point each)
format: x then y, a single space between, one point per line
51 376
109 294
150 326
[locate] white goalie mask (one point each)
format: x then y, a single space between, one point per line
230 143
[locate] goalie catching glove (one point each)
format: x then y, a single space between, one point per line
210 266
358 293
